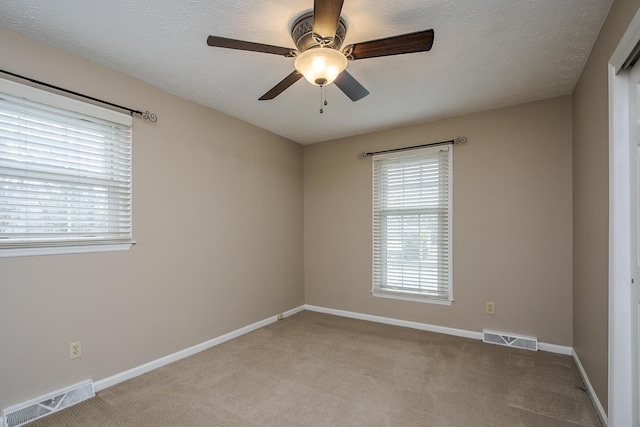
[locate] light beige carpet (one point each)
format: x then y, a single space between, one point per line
315 369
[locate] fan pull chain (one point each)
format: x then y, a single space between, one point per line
323 97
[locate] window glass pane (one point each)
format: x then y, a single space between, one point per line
412 227
65 176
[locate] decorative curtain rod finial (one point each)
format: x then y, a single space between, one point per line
460 140
147 116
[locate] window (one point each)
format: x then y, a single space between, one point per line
412 225
65 174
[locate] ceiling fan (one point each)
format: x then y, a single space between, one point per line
318 36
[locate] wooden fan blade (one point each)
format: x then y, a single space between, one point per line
282 86
350 86
250 46
325 17
407 43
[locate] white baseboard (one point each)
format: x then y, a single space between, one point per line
155 364
552 348
594 397
147 367
396 322
555 348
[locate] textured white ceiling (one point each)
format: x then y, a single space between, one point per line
486 54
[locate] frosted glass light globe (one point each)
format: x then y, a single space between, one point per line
320 66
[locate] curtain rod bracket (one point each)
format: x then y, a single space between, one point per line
461 140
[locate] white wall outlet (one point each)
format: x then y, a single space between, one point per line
490 307
75 350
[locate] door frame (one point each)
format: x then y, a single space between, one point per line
620 362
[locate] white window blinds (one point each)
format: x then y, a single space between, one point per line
65 171
412 224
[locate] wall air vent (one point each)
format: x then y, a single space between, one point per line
36 408
510 340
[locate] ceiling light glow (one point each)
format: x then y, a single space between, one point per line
320 66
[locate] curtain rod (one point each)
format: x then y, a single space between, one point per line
144 114
458 141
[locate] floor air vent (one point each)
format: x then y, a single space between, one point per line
501 338
26 412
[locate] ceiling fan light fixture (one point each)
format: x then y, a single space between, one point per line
320 66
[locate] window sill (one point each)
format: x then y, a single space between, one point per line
59 250
412 298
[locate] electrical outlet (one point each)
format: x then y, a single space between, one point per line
490 307
280 316
75 350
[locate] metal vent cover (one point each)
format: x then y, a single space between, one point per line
510 340
36 408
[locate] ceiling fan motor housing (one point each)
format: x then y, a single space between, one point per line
303 36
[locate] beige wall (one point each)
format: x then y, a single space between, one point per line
512 222
591 201
218 218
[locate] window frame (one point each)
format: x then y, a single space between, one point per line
59 102
378 290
